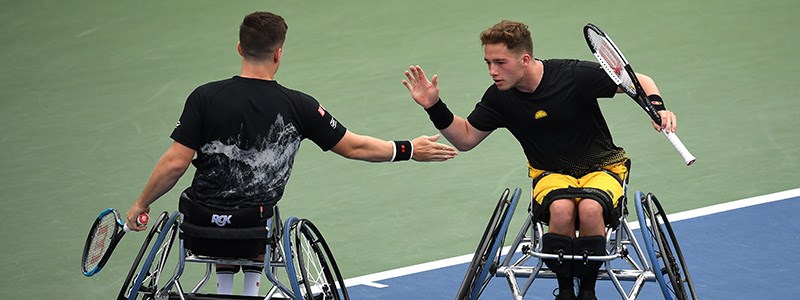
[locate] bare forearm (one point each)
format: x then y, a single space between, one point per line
169 168
648 84
366 148
164 177
462 135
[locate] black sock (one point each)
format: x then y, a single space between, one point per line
566 286
587 294
587 271
588 284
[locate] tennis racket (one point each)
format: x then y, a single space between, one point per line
617 67
104 236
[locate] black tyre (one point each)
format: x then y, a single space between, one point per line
487 255
315 269
678 282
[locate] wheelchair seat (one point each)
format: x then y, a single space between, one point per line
224 242
231 233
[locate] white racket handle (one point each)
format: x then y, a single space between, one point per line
688 158
141 220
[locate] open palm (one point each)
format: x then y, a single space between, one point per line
425 92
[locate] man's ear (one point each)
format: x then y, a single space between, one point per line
239 48
526 59
278 54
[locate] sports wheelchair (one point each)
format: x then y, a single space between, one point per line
295 246
625 259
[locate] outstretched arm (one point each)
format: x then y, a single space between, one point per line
169 168
456 129
367 148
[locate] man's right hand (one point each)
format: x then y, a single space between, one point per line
132 217
424 92
427 149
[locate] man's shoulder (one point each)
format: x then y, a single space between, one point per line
568 63
219 82
571 67
212 87
243 84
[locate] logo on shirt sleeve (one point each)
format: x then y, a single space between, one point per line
333 123
321 110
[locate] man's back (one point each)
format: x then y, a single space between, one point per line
246 133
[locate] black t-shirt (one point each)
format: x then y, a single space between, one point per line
559 125
246 133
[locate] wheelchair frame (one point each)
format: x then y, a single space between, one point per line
296 246
663 261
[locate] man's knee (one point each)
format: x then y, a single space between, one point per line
562 213
591 214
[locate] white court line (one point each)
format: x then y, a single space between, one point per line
373 279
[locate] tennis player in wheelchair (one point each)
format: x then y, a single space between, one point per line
551 107
242 135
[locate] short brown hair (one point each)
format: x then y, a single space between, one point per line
514 35
261 33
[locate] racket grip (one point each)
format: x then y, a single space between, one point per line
688 158
141 220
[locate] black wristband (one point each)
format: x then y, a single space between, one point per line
657 102
402 150
440 115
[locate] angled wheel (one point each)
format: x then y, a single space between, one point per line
146 244
663 249
487 255
147 284
312 269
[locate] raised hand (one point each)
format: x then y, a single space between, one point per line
423 91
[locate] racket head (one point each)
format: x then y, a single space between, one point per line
100 241
610 58
617 67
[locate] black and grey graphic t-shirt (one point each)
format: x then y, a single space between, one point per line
246 133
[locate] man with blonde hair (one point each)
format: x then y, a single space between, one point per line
551 108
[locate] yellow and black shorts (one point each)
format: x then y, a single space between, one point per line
604 185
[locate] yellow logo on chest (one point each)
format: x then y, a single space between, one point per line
540 114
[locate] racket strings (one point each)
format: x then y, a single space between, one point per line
610 59
101 240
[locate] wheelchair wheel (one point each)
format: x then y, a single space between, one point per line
663 249
148 282
313 271
132 273
487 255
